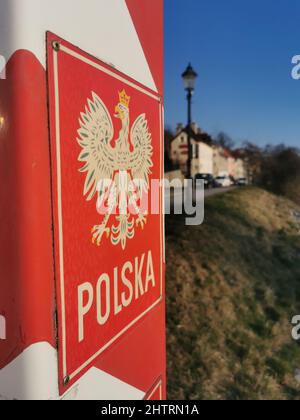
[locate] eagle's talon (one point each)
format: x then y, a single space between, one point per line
98 232
141 220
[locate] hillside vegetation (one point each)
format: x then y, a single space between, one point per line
233 286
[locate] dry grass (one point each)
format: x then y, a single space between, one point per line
233 285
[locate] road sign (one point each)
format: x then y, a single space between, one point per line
106 148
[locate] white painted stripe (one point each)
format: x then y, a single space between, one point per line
103 28
33 375
97 385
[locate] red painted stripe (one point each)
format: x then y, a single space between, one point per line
26 259
147 16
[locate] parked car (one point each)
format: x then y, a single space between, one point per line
209 181
223 181
242 182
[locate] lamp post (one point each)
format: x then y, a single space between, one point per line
189 79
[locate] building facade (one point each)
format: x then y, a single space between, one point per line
207 156
202 151
220 162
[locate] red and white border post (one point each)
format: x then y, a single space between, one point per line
81 274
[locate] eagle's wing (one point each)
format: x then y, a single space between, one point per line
95 134
141 157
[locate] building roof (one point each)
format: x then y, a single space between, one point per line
200 137
228 153
203 137
239 153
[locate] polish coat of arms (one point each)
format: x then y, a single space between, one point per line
111 163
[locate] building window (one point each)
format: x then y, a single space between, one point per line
196 151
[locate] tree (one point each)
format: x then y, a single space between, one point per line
253 156
225 141
169 136
280 171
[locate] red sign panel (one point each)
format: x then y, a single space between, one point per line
106 142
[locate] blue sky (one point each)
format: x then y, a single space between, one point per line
242 51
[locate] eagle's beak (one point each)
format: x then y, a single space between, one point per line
118 112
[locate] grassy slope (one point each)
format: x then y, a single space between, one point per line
233 285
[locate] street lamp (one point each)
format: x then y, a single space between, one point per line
189 79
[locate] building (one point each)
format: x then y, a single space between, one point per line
240 170
208 157
220 161
202 150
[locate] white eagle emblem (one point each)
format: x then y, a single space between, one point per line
121 163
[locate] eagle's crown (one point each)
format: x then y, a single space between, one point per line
124 99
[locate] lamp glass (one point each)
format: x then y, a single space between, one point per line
189 78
